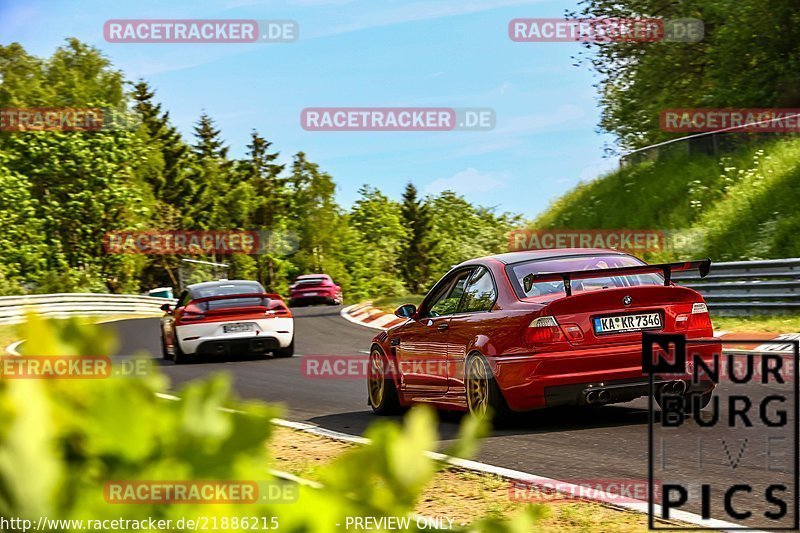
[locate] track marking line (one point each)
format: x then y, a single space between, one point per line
11 349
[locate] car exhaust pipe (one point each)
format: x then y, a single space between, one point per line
674 387
603 396
591 397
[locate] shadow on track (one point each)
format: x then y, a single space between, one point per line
554 420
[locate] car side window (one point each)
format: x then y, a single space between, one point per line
446 302
480 293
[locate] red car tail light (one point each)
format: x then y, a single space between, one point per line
544 330
191 317
698 319
277 310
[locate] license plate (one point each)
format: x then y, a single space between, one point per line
627 323
238 328
310 294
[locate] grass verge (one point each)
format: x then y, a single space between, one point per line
758 324
458 494
736 207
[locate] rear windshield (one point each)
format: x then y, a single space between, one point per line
232 288
576 263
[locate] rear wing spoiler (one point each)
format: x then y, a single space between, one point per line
666 269
264 295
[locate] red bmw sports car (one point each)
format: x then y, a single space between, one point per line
527 330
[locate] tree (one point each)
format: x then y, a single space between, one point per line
371 256
415 255
261 171
639 80
315 216
212 174
464 231
209 145
171 183
77 185
22 78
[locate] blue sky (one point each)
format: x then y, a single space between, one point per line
366 53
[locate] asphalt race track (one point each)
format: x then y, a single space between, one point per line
566 444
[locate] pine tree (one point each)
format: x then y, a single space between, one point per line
213 175
209 144
414 259
260 170
170 185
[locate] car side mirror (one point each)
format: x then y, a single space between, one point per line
406 311
165 308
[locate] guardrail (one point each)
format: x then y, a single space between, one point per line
14 308
745 287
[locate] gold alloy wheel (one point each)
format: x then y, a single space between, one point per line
477 387
376 381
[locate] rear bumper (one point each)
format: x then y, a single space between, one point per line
209 337
542 380
238 347
317 298
619 391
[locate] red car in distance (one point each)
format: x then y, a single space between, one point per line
313 289
526 330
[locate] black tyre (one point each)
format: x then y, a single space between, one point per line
381 390
484 398
164 353
286 352
177 354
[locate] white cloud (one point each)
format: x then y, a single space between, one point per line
468 181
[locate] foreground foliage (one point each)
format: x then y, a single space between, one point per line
61 440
